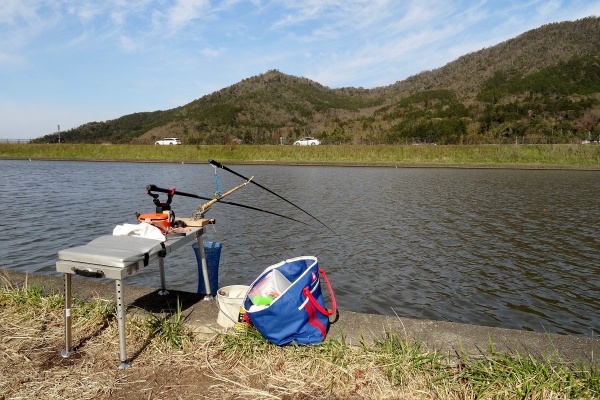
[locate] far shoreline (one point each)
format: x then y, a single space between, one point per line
524 157
322 164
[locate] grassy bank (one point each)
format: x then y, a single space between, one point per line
523 156
171 361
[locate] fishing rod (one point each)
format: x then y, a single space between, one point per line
204 207
154 188
219 165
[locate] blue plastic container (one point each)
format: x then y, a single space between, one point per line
212 252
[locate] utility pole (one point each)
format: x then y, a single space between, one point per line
59 134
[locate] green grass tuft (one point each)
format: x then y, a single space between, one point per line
169 330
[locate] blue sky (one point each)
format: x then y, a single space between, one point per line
68 62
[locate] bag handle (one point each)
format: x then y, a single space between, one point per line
315 303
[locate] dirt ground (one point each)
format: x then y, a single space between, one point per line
31 366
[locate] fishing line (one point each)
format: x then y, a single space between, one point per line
219 165
154 188
217 186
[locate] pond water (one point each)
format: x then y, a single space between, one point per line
504 248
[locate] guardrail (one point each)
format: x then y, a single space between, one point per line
22 141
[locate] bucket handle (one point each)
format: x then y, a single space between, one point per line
226 314
315 303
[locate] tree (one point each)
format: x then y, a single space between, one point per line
588 121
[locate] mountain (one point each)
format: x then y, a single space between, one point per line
540 87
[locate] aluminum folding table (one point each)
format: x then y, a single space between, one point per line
116 257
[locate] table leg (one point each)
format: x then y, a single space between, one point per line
67 351
125 364
163 286
209 295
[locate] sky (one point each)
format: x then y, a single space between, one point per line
64 63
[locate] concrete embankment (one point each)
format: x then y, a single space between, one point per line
355 327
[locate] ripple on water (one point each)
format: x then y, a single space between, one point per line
514 249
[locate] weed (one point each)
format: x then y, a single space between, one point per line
167 329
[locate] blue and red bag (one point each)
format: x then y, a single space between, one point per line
298 313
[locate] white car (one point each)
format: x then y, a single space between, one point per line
169 140
307 141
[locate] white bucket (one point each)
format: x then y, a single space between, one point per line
229 300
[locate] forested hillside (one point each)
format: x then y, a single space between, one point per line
540 87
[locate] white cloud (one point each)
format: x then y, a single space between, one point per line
385 45
20 22
298 12
87 12
185 11
11 60
128 44
118 17
211 53
548 8
13 12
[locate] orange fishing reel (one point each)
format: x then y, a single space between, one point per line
164 217
163 221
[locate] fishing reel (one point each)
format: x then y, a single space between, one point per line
164 217
161 206
164 221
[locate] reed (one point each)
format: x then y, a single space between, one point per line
523 156
525 377
395 367
31 303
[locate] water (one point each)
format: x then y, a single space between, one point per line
514 249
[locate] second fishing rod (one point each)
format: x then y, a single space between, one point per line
252 181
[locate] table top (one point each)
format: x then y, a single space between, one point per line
175 241
172 243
